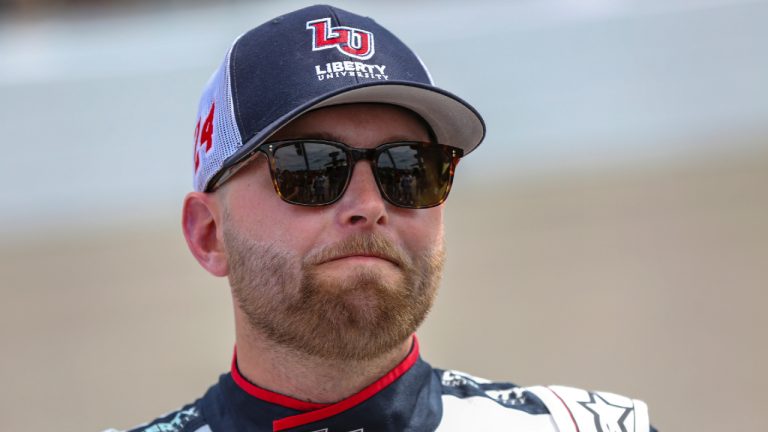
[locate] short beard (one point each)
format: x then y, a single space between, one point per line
356 318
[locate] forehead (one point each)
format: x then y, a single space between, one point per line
360 124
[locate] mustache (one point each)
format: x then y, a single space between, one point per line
372 244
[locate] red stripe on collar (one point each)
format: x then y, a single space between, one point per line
270 396
355 399
316 411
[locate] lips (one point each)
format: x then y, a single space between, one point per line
363 255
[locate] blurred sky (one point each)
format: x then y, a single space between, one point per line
98 108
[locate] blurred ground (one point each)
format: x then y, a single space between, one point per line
644 282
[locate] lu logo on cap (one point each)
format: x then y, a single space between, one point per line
348 40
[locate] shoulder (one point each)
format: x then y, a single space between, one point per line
468 399
577 410
188 418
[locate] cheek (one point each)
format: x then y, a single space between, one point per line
253 217
254 207
268 219
425 231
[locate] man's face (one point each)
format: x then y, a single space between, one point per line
347 281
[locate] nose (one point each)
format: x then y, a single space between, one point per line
362 205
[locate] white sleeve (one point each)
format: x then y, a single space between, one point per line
576 410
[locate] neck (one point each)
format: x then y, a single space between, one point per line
306 378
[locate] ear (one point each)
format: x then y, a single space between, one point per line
200 220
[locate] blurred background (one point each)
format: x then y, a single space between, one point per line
611 233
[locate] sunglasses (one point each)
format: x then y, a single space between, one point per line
311 172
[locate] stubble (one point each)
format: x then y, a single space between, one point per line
359 316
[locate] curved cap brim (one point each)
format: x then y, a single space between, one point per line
454 121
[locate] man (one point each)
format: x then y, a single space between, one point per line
323 155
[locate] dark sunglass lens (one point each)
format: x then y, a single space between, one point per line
310 173
415 175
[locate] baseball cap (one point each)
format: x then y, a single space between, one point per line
307 59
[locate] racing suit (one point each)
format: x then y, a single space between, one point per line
412 397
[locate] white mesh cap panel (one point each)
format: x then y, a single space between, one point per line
226 135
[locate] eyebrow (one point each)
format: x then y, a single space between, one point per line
327 136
